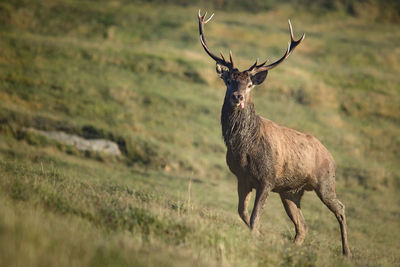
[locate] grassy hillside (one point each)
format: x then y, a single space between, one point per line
135 73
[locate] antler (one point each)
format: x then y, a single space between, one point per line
291 46
220 60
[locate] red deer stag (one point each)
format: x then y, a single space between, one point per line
267 157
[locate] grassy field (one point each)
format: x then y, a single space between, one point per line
135 73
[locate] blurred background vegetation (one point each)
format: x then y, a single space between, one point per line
133 72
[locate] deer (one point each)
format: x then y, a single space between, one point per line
268 157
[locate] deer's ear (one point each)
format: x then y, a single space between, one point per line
259 78
221 70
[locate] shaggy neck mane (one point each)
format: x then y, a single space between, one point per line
240 127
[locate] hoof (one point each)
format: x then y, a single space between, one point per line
299 239
255 232
347 254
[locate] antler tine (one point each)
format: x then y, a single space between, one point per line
291 46
253 66
294 43
212 15
217 59
257 66
222 56
262 64
230 57
290 30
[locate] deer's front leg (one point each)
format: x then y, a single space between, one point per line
261 196
244 193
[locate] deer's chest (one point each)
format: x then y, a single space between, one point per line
250 166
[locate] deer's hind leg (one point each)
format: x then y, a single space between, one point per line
291 202
327 193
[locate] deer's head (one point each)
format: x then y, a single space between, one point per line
240 83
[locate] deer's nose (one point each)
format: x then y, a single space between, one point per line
237 97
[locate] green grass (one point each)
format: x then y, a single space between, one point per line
136 74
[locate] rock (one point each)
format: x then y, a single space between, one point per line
96 145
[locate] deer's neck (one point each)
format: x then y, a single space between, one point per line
240 127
